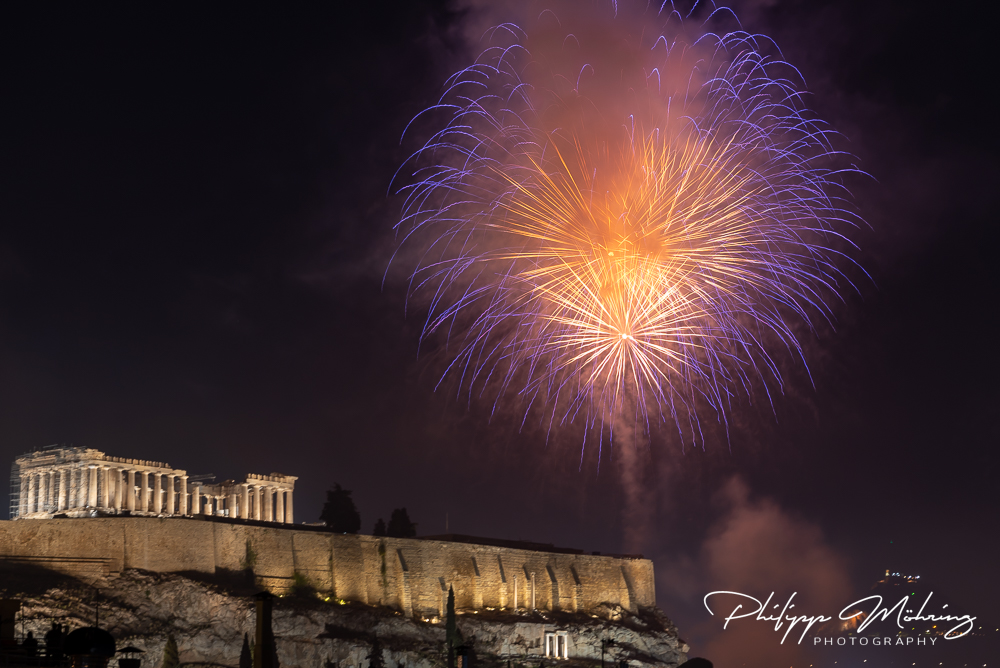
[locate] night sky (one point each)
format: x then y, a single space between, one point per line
195 222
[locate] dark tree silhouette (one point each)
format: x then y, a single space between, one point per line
400 525
270 643
265 650
450 627
171 658
452 636
339 512
379 528
375 656
246 658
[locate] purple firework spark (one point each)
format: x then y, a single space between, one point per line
624 217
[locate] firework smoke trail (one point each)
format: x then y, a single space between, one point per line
622 217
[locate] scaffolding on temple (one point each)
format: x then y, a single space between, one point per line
15 491
14 510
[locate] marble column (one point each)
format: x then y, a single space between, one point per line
43 479
116 480
43 492
65 489
39 492
171 494
81 488
50 499
91 486
257 515
232 502
105 483
245 501
279 505
184 495
289 515
23 503
32 492
40 500
144 492
268 504
130 490
157 493
63 500
196 499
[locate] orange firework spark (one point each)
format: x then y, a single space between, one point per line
649 267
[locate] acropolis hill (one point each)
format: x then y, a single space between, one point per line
109 522
81 511
410 575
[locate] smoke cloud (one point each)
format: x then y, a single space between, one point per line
754 547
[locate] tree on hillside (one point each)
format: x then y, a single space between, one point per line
339 512
452 636
246 655
171 659
379 528
400 525
375 656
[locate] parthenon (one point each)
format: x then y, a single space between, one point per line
83 482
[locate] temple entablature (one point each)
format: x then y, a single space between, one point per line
84 482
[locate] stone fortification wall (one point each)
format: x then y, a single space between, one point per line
407 574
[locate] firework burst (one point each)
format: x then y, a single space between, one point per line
625 219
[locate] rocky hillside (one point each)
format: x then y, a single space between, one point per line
208 621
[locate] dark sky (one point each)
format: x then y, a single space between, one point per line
194 225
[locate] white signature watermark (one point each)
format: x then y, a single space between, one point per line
868 610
